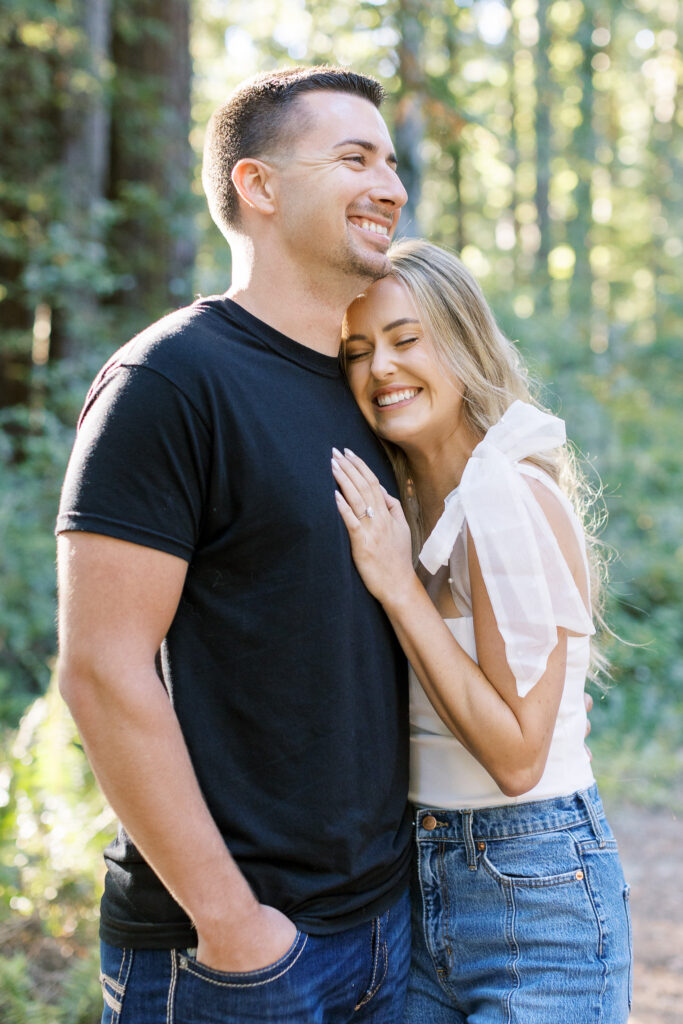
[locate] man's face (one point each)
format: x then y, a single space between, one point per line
339 193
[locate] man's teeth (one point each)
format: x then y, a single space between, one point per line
396 396
371 225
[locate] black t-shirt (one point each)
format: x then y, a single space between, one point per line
209 436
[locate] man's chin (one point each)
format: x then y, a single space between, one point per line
369 266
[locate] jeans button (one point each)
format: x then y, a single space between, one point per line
429 822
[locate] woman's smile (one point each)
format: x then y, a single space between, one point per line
402 389
387 398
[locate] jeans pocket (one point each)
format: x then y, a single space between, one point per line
245 979
116 965
548 860
204 995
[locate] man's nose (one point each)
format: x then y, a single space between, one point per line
388 189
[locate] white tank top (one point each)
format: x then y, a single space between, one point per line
532 593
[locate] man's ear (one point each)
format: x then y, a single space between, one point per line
253 181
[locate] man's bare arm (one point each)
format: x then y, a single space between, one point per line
116 603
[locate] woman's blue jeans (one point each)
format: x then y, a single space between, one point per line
520 916
355 975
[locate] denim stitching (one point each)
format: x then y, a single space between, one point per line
503 836
110 1001
172 986
512 969
379 945
469 841
445 895
626 896
119 986
420 856
186 965
592 814
373 955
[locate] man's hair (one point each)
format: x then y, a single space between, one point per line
256 120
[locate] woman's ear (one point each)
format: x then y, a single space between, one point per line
253 182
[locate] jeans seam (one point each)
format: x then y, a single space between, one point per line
509 892
119 986
626 896
172 986
377 945
445 895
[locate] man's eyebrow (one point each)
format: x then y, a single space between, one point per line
365 144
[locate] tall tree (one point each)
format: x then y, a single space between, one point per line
151 155
409 116
85 162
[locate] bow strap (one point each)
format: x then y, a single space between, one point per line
529 584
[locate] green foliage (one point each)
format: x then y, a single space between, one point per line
34 448
53 826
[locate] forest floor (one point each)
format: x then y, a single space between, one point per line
651 846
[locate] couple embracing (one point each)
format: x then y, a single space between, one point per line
306 572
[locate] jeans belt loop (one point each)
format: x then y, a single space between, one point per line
597 829
469 841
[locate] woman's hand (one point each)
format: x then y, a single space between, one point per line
378 531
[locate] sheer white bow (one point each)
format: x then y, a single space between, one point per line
531 588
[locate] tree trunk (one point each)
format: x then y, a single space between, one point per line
151 155
409 121
86 166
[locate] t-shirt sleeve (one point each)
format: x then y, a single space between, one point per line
140 464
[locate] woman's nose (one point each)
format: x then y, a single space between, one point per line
382 364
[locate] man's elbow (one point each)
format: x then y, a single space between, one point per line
72 682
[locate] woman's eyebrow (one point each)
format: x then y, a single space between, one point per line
354 337
399 323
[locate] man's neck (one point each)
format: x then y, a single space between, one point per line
308 310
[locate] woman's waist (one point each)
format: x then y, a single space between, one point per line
504 821
443 773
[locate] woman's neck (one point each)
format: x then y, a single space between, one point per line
436 471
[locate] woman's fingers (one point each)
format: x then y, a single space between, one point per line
348 488
346 512
364 482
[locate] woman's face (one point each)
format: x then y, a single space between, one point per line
402 390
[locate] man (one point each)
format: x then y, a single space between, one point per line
260 871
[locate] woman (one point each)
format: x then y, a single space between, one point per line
520 906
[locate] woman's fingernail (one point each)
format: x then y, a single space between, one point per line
335 451
335 463
347 451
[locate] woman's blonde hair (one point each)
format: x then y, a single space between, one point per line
471 346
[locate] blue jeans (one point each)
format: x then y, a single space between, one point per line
354 975
520 916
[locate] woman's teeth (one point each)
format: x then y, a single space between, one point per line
396 396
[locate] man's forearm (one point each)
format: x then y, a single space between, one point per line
138 753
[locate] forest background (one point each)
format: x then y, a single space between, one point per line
539 138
